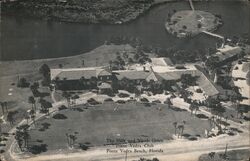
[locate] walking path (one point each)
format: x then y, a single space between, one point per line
213 34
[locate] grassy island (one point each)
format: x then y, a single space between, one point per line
190 23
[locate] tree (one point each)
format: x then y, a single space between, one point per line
83 81
212 63
188 80
45 71
10 117
168 102
1 122
18 137
34 89
4 106
22 136
175 127
27 117
93 82
45 105
181 129
22 83
199 25
71 138
32 101
32 115
192 108
67 96
241 109
83 63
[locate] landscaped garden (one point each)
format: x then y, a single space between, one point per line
93 125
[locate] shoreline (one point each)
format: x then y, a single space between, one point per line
124 20
102 53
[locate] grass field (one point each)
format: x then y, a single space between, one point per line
130 121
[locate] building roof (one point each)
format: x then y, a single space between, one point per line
205 83
131 74
175 75
228 52
163 61
78 73
152 76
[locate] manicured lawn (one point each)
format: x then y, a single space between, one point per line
129 121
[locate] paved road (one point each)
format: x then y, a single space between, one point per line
173 151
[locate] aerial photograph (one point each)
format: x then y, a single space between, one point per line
124 80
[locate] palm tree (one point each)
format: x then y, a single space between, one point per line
175 126
3 107
1 122
32 101
22 136
10 118
93 82
27 117
32 115
73 139
18 137
26 138
110 65
181 129
212 64
168 102
44 70
67 96
83 81
42 102
192 108
68 139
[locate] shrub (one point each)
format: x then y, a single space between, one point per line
23 83
60 116
62 108
92 101
121 101
201 116
180 67
156 101
122 95
144 100
108 100
230 133
192 138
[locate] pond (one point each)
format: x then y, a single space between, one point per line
25 38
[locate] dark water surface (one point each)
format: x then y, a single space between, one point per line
23 38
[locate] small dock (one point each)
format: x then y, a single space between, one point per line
191 4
